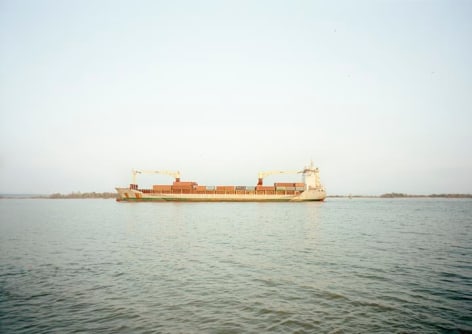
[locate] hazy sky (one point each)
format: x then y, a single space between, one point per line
377 93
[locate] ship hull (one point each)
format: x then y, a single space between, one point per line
132 195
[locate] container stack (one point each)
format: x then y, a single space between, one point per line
225 189
289 186
161 188
265 190
184 187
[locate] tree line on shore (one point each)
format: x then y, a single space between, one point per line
387 195
105 195
112 195
401 195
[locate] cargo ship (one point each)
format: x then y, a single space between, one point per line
310 189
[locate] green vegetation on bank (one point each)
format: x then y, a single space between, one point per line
109 195
402 195
104 195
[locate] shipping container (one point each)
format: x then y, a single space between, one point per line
182 188
183 184
266 188
225 188
284 184
161 187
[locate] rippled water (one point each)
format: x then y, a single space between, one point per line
361 265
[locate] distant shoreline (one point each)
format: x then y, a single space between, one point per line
112 195
73 195
401 195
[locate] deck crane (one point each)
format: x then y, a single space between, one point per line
262 175
135 172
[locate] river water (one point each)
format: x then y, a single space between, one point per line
342 266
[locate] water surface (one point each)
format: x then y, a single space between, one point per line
342 266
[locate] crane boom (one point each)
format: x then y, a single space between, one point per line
135 172
262 175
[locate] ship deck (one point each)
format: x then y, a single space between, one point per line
126 194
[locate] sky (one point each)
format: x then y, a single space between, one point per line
378 93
